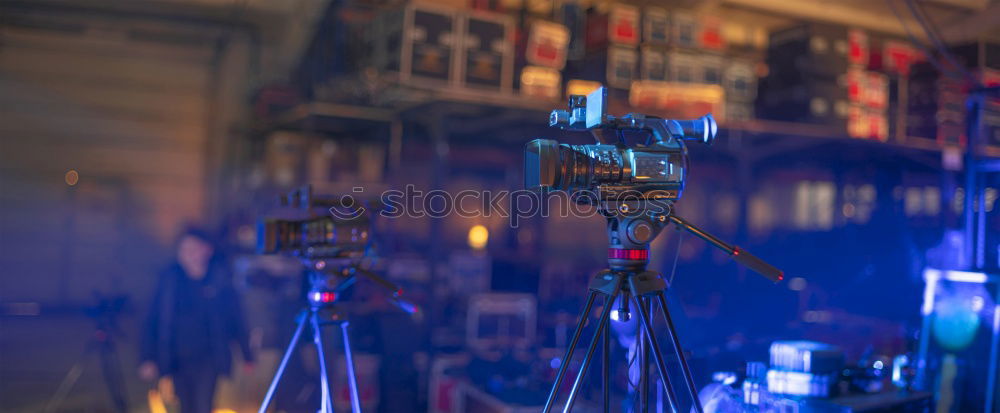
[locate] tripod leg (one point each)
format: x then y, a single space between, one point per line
606 362
284 361
672 332
643 367
113 375
654 348
66 385
352 378
601 325
569 352
324 379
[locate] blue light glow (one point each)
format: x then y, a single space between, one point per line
965 276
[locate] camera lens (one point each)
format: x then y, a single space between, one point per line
551 165
541 161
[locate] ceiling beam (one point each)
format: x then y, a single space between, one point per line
875 17
979 24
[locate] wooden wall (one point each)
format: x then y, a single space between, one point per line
142 111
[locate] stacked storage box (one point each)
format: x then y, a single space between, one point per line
936 106
894 58
819 74
807 66
655 38
433 45
803 368
573 15
991 112
735 75
982 58
682 67
487 51
745 48
417 43
612 54
867 92
937 102
542 57
740 84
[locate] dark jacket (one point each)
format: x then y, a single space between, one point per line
219 308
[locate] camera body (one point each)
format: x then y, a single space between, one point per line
653 171
308 228
332 246
606 172
322 237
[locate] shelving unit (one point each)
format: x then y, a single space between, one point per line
475 112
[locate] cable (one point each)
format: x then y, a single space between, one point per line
931 33
628 375
932 28
677 255
652 317
931 58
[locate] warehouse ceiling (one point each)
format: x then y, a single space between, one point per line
957 20
280 30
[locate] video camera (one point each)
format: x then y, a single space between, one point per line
655 170
332 237
317 233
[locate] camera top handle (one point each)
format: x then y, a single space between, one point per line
588 113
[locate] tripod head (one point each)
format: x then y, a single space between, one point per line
105 312
330 278
632 225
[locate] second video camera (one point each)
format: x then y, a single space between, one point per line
315 233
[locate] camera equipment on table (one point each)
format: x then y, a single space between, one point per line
634 187
809 376
333 239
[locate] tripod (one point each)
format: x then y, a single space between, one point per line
105 316
324 292
629 235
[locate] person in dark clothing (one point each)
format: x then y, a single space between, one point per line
194 319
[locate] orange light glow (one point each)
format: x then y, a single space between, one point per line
72 177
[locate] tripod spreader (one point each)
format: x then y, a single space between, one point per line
739 254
